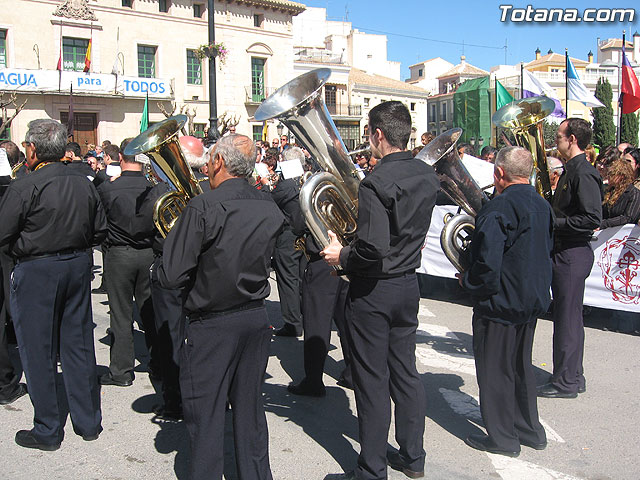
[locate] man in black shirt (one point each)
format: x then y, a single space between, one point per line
112 162
395 202
50 219
577 204
219 252
126 262
513 235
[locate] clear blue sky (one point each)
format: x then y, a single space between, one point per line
440 28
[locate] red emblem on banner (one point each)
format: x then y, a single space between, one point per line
620 264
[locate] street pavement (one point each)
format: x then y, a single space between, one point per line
592 437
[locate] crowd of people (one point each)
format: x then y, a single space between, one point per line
200 289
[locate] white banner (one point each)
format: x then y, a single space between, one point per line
614 281
23 80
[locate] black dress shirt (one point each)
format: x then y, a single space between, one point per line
83 168
220 248
101 175
129 210
625 210
395 202
577 202
510 273
53 209
286 194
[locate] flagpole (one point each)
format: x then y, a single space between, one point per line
620 94
521 80
60 61
495 82
566 81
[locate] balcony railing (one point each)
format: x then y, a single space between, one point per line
318 56
345 110
256 97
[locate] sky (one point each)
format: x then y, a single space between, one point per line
419 30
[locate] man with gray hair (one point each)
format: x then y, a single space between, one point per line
512 239
51 218
219 251
555 168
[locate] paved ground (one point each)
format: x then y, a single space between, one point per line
592 437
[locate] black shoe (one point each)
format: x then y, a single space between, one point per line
287 331
583 388
342 476
484 443
535 446
99 290
549 391
394 460
107 379
21 389
303 388
168 414
25 438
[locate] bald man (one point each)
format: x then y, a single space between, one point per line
196 157
226 346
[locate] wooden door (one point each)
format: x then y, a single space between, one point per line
84 128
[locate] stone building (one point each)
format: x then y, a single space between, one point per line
138 48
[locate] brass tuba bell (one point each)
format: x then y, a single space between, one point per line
524 119
461 188
160 143
328 199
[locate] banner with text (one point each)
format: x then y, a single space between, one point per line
38 81
614 281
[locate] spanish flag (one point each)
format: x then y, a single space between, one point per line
87 58
630 96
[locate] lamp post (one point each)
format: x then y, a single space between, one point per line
279 129
213 134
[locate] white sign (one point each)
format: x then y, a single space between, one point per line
23 80
614 281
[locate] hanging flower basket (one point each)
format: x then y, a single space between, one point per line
212 51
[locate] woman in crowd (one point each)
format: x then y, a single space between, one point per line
605 159
622 200
632 156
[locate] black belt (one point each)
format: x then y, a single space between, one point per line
28 258
209 315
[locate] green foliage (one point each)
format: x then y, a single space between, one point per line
629 129
549 131
604 131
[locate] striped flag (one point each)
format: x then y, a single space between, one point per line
576 89
87 57
534 87
630 97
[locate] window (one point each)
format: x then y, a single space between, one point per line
366 102
127 3
257 133
443 116
413 106
163 5
146 61
433 113
257 79
350 134
199 129
330 98
258 21
194 68
420 72
3 48
74 51
6 135
198 8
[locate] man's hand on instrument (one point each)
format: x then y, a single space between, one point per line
331 253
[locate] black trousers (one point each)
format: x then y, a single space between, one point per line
320 292
51 295
225 357
287 264
8 378
382 320
571 267
167 307
507 383
127 271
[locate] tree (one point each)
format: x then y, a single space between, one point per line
604 132
5 104
549 132
629 129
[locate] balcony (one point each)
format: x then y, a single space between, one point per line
345 110
309 55
251 97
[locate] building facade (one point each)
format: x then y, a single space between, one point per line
141 48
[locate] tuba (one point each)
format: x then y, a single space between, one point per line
524 119
461 188
328 199
160 143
